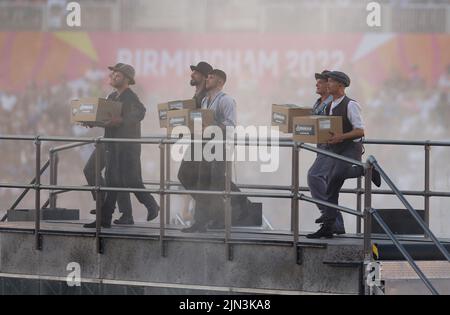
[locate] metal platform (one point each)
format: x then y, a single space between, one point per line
194 263
146 230
191 263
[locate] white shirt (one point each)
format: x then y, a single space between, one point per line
353 112
224 107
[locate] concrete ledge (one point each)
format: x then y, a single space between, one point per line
187 263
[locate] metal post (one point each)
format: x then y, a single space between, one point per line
98 195
227 200
368 257
53 178
358 204
427 187
405 254
367 212
167 196
295 190
293 166
161 199
37 186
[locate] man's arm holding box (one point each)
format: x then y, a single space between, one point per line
340 137
355 118
132 113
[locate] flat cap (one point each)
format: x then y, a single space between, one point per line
339 77
322 75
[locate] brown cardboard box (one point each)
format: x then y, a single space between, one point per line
283 115
316 129
187 117
95 111
163 108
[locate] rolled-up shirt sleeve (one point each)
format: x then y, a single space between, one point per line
354 115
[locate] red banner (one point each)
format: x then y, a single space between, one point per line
264 60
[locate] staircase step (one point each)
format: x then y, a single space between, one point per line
418 251
400 279
402 270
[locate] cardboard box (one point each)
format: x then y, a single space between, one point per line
187 117
163 108
316 129
283 115
96 111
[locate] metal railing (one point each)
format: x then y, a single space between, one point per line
427 193
25 192
165 189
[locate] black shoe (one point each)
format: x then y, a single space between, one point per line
93 225
152 211
319 220
93 211
196 227
335 230
376 177
124 220
324 231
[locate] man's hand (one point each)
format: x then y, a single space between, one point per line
87 125
336 138
114 122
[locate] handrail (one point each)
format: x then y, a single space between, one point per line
403 251
305 188
331 154
294 194
280 139
408 142
331 205
25 192
410 209
79 144
67 146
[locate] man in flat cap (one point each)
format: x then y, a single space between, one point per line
318 173
123 160
123 198
348 144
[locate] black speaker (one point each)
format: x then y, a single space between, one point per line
400 221
57 214
251 217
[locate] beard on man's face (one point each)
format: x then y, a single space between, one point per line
117 84
194 82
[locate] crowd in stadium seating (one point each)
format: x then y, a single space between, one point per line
404 108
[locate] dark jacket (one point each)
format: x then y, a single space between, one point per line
199 98
123 168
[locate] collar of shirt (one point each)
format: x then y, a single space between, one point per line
210 99
335 103
319 107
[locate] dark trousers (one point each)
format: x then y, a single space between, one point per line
317 181
327 176
209 175
123 198
112 196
